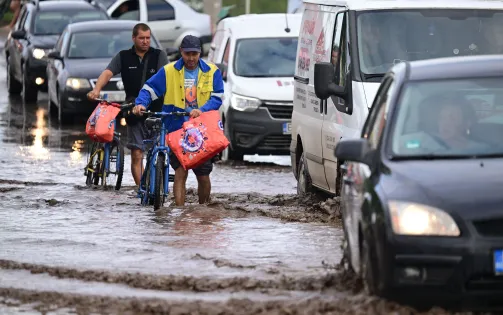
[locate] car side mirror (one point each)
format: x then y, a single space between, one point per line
354 150
54 55
223 69
324 81
19 34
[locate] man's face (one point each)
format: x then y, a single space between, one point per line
142 41
190 58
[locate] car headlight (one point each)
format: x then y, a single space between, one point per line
409 218
77 83
38 53
243 103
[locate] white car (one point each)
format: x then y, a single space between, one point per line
170 20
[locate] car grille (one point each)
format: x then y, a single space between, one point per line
110 86
489 228
279 110
277 142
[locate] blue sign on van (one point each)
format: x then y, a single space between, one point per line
498 261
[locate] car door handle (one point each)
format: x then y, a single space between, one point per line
177 27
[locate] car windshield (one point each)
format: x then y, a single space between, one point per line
266 57
449 118
388 37
85 45
53 23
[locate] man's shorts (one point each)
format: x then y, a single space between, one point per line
202 170
136 134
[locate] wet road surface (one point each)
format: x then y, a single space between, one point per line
69 249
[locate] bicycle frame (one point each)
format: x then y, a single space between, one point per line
159 147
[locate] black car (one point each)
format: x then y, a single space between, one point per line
422 198
81 54
37 30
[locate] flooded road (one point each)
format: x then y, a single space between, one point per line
69 249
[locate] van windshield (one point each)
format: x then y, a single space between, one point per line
390 36
265 57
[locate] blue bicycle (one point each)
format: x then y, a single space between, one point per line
154 184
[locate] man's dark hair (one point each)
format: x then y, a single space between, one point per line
140 27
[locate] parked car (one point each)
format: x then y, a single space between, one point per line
256 54
35 33
78 59
421 196
170 20
363 39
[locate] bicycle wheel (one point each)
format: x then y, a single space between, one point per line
159 182
93 166
147 198
115 165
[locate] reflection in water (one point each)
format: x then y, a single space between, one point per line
37 150
196 226
76 155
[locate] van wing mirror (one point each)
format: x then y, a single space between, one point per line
324 81
223 69
353 150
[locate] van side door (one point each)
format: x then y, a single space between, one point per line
334 120
307 116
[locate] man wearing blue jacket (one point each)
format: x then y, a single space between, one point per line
191 85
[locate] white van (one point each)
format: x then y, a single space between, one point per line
352 43
256 54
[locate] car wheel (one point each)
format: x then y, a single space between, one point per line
30 92
62 116
304 183
14 87
230 155
367 271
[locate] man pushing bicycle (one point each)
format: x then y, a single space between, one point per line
191 85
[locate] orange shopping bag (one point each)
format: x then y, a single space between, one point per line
100 126
199 140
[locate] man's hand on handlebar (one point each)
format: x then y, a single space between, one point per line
94 94
195 113
138 110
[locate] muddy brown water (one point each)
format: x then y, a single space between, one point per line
69 249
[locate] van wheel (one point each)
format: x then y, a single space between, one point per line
230 155
304 183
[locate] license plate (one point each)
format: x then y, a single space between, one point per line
498 262
287 128
113 97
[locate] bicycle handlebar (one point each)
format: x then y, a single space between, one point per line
149 113
123 106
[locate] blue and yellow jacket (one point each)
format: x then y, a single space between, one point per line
169 81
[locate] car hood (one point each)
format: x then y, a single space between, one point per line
44 41
86 68
471 188
271 89
370 89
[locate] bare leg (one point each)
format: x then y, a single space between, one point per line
136 165
203 189
179 186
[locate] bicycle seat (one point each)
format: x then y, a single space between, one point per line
153 122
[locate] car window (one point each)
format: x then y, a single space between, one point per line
130 15
160 10
59 43
22 18
227 50
450 118
85 46
28 20
54 22
127 10
368 125
379 115
265 57
387 37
